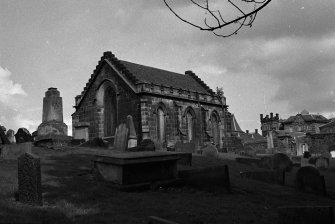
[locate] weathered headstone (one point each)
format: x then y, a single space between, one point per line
29 179
81 131
3 128
185 147
321 163
13 151
269 176
23 135
147 145
11 135
306 215
332 164
278 161
210 151
121 138
309 178
132 138
3 137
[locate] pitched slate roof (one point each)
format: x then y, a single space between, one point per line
235 126
307 118
329 124
162 77
136 73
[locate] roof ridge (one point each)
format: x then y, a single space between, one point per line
197 79
107 55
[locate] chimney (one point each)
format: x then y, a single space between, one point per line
261 115
271 115
277 116
256 131
247 131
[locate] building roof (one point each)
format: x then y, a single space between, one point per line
251 137
234 125
329 124
137 74
317 118
162 77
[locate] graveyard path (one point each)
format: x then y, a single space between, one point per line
71 194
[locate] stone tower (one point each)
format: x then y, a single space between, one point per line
52 118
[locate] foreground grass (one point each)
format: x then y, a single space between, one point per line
71 194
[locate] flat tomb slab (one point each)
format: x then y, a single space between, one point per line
136 167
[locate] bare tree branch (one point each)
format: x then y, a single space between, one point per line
243 18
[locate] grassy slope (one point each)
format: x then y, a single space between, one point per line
71 194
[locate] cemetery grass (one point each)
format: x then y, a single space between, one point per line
72 194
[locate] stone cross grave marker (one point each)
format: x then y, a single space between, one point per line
29 179
121 138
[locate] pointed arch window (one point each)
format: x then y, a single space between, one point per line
161 126
190 123
215 128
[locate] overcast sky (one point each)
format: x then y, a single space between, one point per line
283 64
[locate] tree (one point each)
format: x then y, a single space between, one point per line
222 17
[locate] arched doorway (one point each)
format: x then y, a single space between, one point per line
106 105
109 112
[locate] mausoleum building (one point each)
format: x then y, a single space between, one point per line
166 106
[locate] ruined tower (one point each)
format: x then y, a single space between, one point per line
52 118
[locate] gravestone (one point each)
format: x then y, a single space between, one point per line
304 162
132 138
147 145
3 137
332 164
23 135
29 179
11 136
309 178
269 176
210 151
306 215
185 147
278 161
121 138
13 151
81 131
321 163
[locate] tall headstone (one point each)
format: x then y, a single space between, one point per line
132 138
29 179
121 138
52 126
11 135
3 137
23 135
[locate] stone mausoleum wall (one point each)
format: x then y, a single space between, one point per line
92 111
175 118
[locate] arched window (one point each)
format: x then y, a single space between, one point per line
215 128
109 112
161 124
190 124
